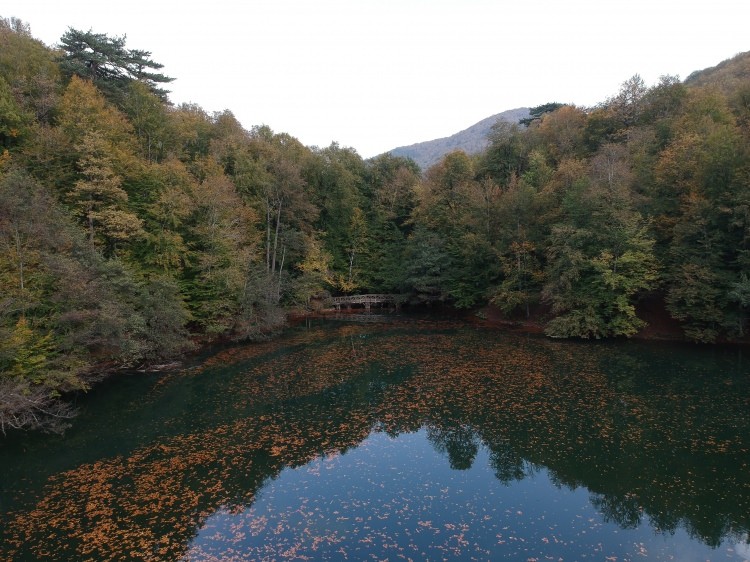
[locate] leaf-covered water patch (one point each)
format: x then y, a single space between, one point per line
412 441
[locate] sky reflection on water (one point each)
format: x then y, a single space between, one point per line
423 440
398 498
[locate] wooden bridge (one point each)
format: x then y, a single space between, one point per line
365 300
366 317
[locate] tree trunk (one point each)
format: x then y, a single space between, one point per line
19 253
91 228
21 274
281 268
276 238
268 235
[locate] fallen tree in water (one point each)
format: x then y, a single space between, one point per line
36 408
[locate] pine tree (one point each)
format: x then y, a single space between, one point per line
109 65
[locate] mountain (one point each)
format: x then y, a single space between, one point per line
471 140
729 75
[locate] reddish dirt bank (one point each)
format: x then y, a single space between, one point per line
660 326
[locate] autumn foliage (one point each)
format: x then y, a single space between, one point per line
130 227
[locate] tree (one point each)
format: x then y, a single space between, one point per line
521 278
356 246
388 203
444 216
26 353
426 264
166 218
335 177
147 113
536 113
592 286
223 243
562 132
193 131
12 120
25 233
740 294
280 195
629 101
84 110
518 248
599 258
389 187
664 100
440 196
702 176
506 154
30 70
100 200
47 282
108 64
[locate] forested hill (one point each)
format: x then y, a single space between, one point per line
475 139
472 140
729 76
130 226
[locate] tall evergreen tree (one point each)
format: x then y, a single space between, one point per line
109 64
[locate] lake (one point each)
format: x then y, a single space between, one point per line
401 438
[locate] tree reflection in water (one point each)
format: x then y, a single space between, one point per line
655 434
458 442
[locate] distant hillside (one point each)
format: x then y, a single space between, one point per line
727 75
471 140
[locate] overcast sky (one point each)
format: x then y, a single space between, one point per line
377 74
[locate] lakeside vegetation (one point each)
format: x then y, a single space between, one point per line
129 225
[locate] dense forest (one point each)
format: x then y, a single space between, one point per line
130 226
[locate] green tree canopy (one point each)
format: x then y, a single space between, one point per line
109 64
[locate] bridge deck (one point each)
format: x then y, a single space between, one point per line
366 300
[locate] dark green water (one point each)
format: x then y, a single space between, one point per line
420 440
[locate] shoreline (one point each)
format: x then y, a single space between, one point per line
660 327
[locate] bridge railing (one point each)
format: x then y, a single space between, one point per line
367 300
363 298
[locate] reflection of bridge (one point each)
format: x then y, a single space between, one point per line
365 300
366 318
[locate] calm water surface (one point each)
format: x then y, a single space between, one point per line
401 439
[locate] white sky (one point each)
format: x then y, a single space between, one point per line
377 74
